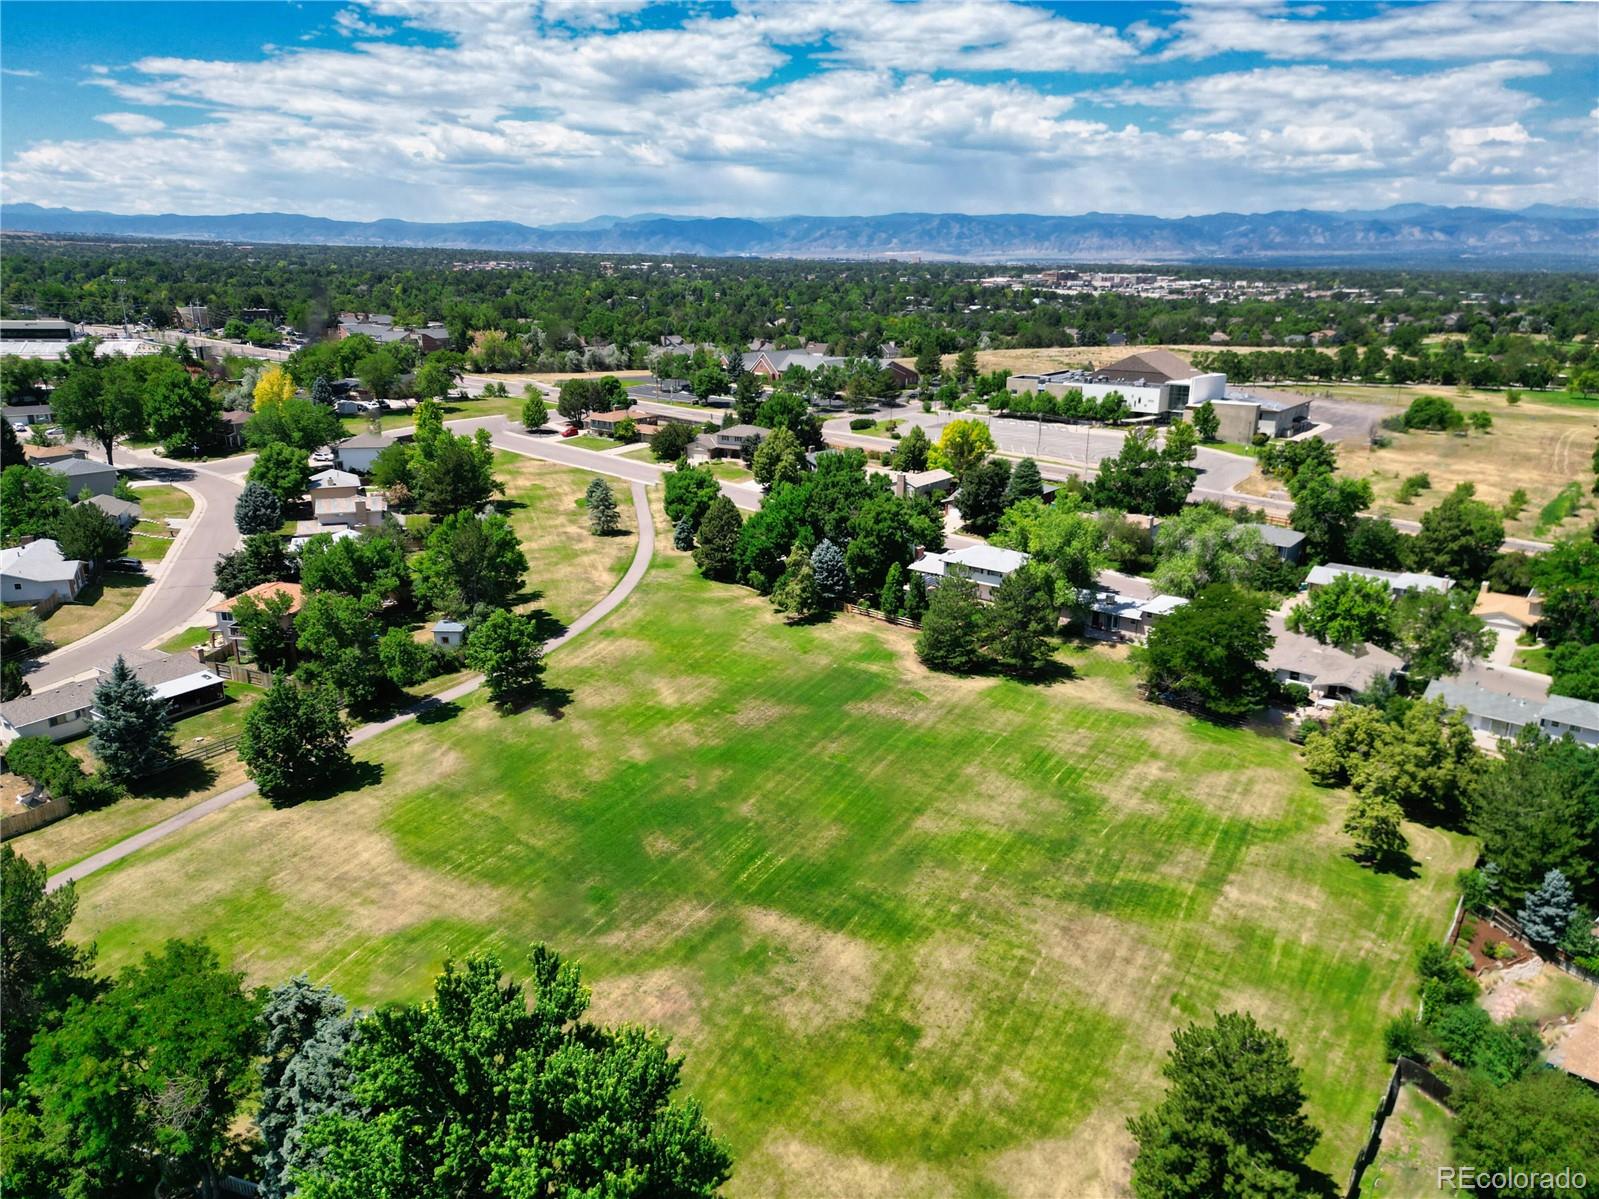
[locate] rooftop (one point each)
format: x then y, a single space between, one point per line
169 674
1397 580
367 441
1327 665
40 561
78 466
263 591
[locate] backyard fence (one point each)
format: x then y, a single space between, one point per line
238 1186
874 614
1554 955
31 818
46 607
1405 1072
240 673
210 749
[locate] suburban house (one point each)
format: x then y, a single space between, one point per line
769 364
1330 672
68 711
124 512
226 634
32 573
43 455
1125 607
1512 615
1399 582
21 416
359 452
332 482
1154 383
734 440
1289 543
355 511
382 329
81 473
1500 711
986 565
928 484
603 424
451 634
230 429
334 533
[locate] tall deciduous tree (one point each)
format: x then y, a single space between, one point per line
689 491
1460 538
99 402
1326 511
911 454
1232 1121
507 650
32 501
468 561
132 731
1023 621
462 1090
283 470
295 739
982 495
1208 653
1206 421
1349 611
962 445
1374 823
41 972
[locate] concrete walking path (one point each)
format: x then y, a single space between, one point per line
642 555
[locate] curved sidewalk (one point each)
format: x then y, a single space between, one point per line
611 601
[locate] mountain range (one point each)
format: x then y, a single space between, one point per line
1542 235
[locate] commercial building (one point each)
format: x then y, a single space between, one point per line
1154 383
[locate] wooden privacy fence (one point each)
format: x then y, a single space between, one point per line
1405 1071
1552 954
239 672
874 614
31 818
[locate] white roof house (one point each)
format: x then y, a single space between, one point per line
1499 714
986 565
36 571
68 710
326 481
1125 607
1399 582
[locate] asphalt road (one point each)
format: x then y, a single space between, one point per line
642 554
184 578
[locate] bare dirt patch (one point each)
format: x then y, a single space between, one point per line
822 977
786 1167
1095 1159
662 999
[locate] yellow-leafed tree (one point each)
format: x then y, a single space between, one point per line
273 387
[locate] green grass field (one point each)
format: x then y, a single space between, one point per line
1565 504
586 441
98 604
916 934
163 502
187 639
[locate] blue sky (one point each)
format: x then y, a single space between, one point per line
564 109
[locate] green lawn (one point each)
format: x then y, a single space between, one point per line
187 639
731 470
148 548
1231 447
1536 657
915 934
163 502
97 605
1565 503
569 568
1415 1143
454 409
586 441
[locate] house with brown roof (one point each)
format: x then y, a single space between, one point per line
226 634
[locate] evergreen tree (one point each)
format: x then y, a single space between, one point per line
982 495
305 1074
928 364
683 535
892 601
294 740
604 519
911 454
951 634
1206 422
796 592
258 510
1025 483
1546 913
916 597
1023 621
322 391
11 452
716 554
1232 1121
966 365
827 563
132 731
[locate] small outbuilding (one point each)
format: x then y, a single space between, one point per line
451 634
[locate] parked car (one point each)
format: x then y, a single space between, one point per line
127 566
570 431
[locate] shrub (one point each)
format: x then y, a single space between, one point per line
1259 439
1433 412
43 761
861 422
1405 1036
1414 486
1512 396
1514 505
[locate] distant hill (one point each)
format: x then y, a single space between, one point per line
1542 235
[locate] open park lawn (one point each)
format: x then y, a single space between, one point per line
569 567
83 833
97 605
917 935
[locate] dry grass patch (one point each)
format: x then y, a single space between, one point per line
665 999
789 1167
822 978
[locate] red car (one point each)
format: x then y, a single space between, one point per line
570 431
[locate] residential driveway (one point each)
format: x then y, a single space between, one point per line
642 554
183 581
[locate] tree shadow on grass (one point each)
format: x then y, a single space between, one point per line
355 777
552 701
1399 864
437 711
545 625
1050 673
183 777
